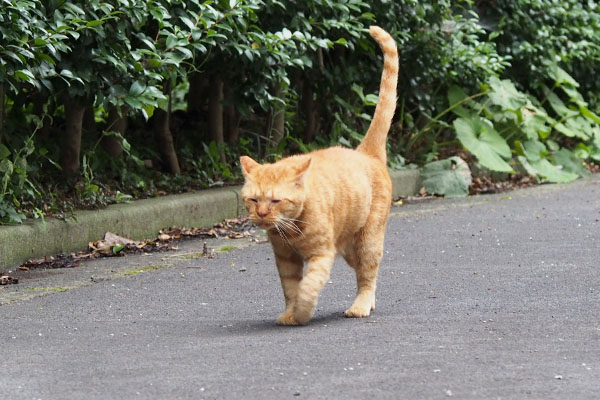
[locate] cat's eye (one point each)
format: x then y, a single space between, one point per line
253 200
275 201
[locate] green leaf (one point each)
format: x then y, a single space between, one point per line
147 111
534 150
455 96
25 75
73 8
450 177
552 145
67 74
528 168
358 90
545 169
561 76
535 123
480 138
595 154
371 100
47 58
519 148
18 58
586 112
559 107
574 95
134 102
152 92
552 173
117 248
570 162
137 88
580 127
171 41
185 51
125 145
7 168
91 24
505 94
154 63
562 128
4 152
582 151
188 22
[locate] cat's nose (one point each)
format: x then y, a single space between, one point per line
262 213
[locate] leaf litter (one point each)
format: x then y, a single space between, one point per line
8 280
114 245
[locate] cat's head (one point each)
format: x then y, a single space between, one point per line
274 193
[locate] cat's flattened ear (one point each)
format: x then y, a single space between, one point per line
248 165
301 170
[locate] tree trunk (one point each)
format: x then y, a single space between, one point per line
165 140
321 60
162 127
277 128
215 114
196 97
1 112
233 118
310 112
71 145
117 122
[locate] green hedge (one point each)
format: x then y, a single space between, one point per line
96 92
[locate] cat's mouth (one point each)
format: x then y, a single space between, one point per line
264 224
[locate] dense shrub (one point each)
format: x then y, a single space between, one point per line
102 98
537 32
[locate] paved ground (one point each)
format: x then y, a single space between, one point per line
481 298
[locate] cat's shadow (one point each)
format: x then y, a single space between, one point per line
250 327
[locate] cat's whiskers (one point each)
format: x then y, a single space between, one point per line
286 224
281 232
297 220
289 223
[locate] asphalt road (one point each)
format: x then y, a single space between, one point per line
491 297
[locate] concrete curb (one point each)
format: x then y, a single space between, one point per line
141 219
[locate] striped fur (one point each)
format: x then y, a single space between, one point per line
374 142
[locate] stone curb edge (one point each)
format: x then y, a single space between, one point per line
140 219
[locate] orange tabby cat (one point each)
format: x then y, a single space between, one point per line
328 202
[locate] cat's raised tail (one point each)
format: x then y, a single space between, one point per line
374 142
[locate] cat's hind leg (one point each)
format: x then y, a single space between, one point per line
289 266
366 279
364 256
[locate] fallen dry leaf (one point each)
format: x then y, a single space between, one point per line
234 228
7 280
163 237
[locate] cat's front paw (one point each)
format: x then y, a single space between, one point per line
357 311
286 318
303 313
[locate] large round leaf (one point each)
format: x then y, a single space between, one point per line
450 177
484 142
570 162
505 94
551 172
